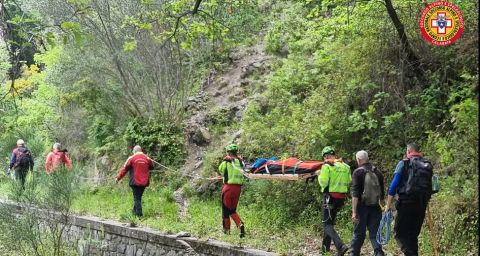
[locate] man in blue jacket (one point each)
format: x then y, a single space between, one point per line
412 181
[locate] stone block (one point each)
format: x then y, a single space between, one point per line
172 253
130 251
121 248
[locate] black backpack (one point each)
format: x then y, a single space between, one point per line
24 159
417 177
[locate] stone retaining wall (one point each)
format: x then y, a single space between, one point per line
94 236
109 238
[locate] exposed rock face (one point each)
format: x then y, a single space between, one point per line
227 92
200 136
182 202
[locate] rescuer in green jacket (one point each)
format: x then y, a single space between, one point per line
335 178
231 169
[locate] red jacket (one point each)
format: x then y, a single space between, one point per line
138 167
55 159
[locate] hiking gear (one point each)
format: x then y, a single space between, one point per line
226 231
24 159
384 229
231 148
20 142
431 228
436 186
138 167
331 206
290 165
335 178
231 170
242 230
358 181
408 223
137 200
416 178
342 250
372 191
328 150
368 218
55 159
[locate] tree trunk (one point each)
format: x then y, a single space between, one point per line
412 58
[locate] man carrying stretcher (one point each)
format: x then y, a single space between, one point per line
231 170
335 178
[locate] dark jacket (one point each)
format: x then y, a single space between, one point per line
16 155
358 180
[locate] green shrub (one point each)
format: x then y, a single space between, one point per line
162 141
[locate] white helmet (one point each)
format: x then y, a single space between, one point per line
20 142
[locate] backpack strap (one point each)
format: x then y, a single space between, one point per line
406 162
225 171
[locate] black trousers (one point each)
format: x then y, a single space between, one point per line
331 206
408 223
137 200
20 175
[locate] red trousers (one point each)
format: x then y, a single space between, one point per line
230 197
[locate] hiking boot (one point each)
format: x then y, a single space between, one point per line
242 231
342 250
226 231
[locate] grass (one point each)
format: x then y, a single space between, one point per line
264 231
269 226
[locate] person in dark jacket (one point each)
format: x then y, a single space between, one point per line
366 213
21 161
138 167
410 208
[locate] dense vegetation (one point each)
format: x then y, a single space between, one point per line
101 75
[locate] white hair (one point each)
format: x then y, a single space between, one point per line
137 149
57 146
362 155
20 142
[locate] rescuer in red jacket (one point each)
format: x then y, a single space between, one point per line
138 167
57 158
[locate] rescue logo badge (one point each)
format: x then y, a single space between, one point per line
441 23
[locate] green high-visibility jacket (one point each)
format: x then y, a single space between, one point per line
336 177
231 170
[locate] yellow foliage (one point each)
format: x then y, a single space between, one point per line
26 82
20 85
30 71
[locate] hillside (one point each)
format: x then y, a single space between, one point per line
278 78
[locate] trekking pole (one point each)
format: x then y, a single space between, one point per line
432 232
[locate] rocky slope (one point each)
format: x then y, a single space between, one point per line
226 92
